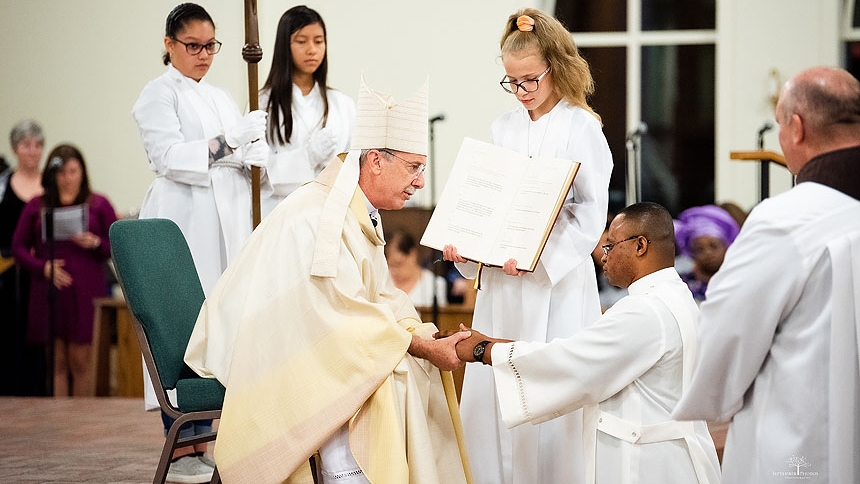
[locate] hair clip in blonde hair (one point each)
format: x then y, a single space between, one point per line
525 23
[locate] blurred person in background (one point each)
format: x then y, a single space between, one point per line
66 273
704 234
409 275
735 210
22 365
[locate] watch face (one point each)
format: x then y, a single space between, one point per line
478 352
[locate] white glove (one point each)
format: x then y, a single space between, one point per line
256 154
251 127
322 146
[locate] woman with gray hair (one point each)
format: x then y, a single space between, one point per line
22 367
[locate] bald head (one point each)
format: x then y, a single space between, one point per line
818 111
642 237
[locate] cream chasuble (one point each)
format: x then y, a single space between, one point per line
301 354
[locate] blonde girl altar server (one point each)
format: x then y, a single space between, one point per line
545 72
201 149
320 120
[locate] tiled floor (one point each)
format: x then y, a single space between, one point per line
77 440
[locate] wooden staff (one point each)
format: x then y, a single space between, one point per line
252 53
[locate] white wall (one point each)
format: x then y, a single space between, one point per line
754 37
77 67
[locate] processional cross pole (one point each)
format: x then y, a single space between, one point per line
252 53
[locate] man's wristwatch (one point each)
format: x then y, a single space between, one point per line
478 351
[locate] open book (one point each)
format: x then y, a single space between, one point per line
499 204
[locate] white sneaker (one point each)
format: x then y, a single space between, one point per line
189 470
206 460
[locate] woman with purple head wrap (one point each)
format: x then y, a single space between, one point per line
704 233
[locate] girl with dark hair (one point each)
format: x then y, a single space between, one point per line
71 262
309 122
199 146
201 149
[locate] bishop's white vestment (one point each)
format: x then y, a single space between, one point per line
302 354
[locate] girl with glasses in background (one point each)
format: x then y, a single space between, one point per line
201 149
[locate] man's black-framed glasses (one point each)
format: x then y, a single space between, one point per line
529 85
193 48
608 247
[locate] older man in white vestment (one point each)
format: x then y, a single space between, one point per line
779 330
626 371
317 348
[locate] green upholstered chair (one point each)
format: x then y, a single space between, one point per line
163 292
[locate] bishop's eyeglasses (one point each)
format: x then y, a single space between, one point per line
529 85
416 169
193 48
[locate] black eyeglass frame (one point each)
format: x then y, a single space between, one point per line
508 85
608 247
193 48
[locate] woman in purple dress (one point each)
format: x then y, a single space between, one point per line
62 311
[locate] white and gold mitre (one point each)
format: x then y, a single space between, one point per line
382 122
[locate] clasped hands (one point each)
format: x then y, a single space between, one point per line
57 273
465 344
449 349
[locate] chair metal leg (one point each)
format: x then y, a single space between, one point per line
170 442
173 441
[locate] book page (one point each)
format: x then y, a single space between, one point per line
475 199
67 221
497 204
535 201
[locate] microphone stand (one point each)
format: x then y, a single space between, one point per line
634 164
764 173
52 297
